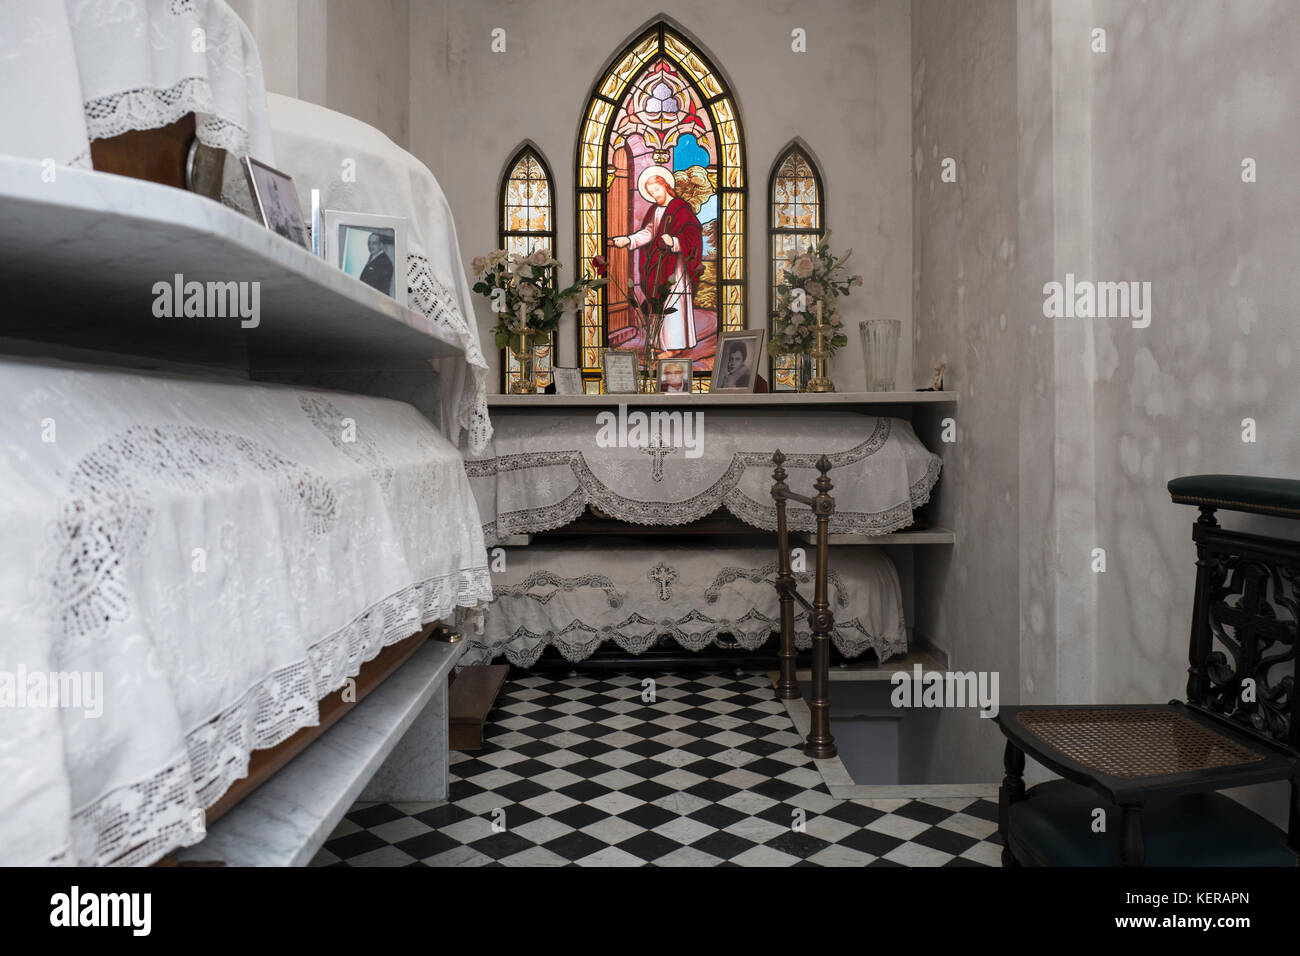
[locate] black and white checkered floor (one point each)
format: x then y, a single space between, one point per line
592 771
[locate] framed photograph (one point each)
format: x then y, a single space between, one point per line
735 365
276 201
369 248
674 376
619 368
568 381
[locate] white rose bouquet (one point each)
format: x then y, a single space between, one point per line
809 278
523 293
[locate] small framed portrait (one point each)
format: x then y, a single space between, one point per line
369 248
735 364
619 369
276 201
568 381
674 376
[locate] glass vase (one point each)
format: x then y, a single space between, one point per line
803 370
880 352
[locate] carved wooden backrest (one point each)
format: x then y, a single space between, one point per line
1244 627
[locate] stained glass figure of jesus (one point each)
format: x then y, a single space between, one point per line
670 252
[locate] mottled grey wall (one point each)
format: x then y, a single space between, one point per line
965 254
347 55
1186 91
368 69
1124 165
847 97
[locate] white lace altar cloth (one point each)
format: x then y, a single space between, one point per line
630 593
543 469
80 70
224 555
359 169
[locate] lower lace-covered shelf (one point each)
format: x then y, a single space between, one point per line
577 598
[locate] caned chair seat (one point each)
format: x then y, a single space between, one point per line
1165 761
1127 752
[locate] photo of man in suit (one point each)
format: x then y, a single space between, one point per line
378 270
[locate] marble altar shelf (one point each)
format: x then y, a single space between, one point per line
913 535
287 820
81 270
839 400
868 670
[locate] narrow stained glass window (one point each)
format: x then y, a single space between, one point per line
797 222
527 224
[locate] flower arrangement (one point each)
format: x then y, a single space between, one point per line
524 296
808 279
648 310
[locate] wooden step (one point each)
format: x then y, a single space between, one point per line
473 694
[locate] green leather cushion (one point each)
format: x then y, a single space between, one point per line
1054 822
1269 496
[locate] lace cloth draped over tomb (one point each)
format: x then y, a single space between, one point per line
223 555
359 169
577 598
80 70
543 469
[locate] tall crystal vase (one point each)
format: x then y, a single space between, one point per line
880 352
803 371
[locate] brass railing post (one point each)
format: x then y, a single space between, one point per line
787 685
820 743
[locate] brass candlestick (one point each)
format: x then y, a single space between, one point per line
526 383
820 382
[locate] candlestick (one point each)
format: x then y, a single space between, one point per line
526 383
820 382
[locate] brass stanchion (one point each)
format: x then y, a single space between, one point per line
787 685
820 742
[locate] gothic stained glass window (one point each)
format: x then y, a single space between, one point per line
661 114
797 221
527 224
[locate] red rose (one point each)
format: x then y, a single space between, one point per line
600 265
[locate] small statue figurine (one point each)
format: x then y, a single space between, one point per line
936 378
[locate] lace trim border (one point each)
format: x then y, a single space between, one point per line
153 108
577 640
722 493
183 798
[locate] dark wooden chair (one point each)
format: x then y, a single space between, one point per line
820 742
1154 770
